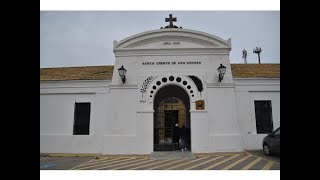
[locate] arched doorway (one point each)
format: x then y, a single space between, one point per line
171 107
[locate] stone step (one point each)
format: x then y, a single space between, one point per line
172 155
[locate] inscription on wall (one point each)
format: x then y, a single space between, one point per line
168 43
171 62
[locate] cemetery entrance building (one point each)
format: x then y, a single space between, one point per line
170 89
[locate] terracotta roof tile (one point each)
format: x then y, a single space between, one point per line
105 72
76 73
255 70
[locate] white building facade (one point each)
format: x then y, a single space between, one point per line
171 77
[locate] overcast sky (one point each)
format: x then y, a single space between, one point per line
85 38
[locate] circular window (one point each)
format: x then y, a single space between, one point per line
151 92
192 95
189 87
184 82
191 91
171 78
178 79
150 95
154 87
164 79
158 83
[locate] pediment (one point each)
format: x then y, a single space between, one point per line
171 39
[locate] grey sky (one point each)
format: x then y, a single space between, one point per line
85 38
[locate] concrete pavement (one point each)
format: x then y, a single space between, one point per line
212 161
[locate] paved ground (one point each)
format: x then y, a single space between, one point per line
214 161
59 163
275 158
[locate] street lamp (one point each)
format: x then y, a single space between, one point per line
222 71
258 51
122 73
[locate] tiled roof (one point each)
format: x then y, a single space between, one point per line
76 73
255 70
105 72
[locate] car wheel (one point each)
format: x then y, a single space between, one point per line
266 150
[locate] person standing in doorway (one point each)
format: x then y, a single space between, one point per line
176 136
183 138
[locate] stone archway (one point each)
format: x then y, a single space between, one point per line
171 105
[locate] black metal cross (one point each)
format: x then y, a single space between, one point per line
170 19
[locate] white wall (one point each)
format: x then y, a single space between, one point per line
131 129
247 91
120 132
57 102
224 133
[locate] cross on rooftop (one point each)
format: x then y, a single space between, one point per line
170 19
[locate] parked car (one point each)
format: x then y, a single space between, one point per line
271 143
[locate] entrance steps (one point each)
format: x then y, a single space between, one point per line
172 155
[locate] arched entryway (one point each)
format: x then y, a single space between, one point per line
171 108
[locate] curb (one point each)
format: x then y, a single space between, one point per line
145 156
70 155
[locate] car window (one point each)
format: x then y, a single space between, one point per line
277 132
